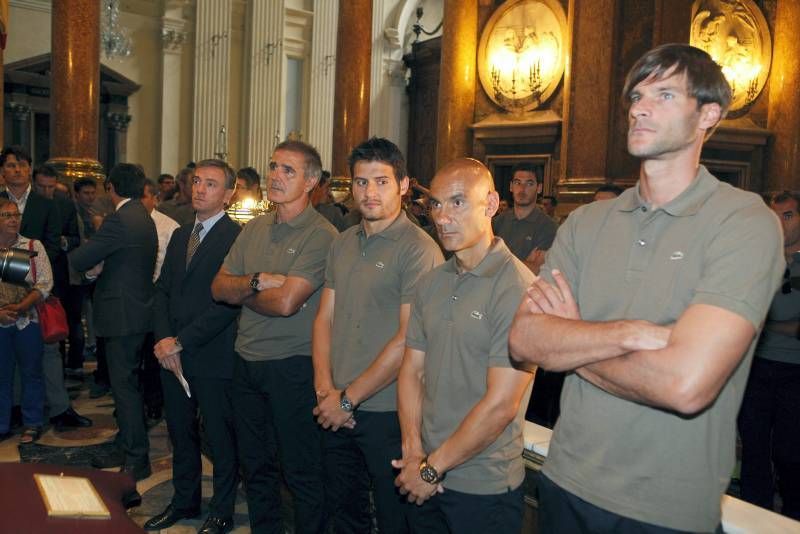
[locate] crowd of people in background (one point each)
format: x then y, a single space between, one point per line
381 349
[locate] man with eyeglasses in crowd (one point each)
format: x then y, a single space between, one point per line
275 270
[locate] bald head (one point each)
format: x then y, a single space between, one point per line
463 202
470 172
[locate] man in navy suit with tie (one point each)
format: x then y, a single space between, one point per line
195 337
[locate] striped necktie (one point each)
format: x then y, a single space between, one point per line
194 242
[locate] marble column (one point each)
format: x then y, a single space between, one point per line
457 78
352 88
588 98
265 84
783 119
173 40
322 79
75 89
20 124
211 72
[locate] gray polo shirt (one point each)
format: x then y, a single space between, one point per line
461 322
537 230
785 307
713 244
296 248
372 276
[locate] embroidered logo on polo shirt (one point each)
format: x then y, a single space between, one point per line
380 265
291 250
529 238
677 255
476 315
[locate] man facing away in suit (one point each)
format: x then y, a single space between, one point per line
126 243
195 339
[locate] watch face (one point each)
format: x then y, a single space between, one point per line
428 474
254 282
346 404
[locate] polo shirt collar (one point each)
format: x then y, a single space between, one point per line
532 216
393 232
303 219
687 203
495 258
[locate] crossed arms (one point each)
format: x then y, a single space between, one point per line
680 367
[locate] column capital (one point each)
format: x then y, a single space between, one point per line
19 111
118 121
173 34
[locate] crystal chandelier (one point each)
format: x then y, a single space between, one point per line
114 40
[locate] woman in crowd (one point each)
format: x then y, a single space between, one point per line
20 335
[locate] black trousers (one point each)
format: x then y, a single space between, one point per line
211 397
353 459
73 303
273 403
150 376
454 512
769 425
124 354
561 511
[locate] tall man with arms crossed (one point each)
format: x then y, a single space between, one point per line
460 400
359 338
195 336
275 270
659 295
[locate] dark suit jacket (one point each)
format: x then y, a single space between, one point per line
123 298
184 307
41 221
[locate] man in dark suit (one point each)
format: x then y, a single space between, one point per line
126 243
45 178
41 221
195 338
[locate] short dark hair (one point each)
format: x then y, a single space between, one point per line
127 179
552 199
610 188
527 167
7 202
151 185
779 197
83 182
313 161
382 150
163 177
324 178
704 79
249 175
46 170
230 175
183 175
18 152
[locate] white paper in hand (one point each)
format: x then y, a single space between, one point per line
184 383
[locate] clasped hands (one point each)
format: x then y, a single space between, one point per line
329 413
168 353
9 314
410 483
270 281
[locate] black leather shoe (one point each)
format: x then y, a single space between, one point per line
216 525
168 517
138 472
69 418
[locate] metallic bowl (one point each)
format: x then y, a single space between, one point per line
14 265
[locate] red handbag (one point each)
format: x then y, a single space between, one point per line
52 317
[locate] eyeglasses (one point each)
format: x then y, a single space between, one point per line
10 215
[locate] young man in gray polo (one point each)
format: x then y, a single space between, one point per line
359 338
275 271
461 402
652 301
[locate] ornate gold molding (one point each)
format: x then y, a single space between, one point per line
77 168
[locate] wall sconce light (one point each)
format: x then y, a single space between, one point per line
521 54
736 36
245 210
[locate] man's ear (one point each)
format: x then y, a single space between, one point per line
492 203
404 185
311 183
710 115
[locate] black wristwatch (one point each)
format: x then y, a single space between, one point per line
345 403
428 473
254 282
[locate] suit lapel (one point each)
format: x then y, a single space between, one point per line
209 240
